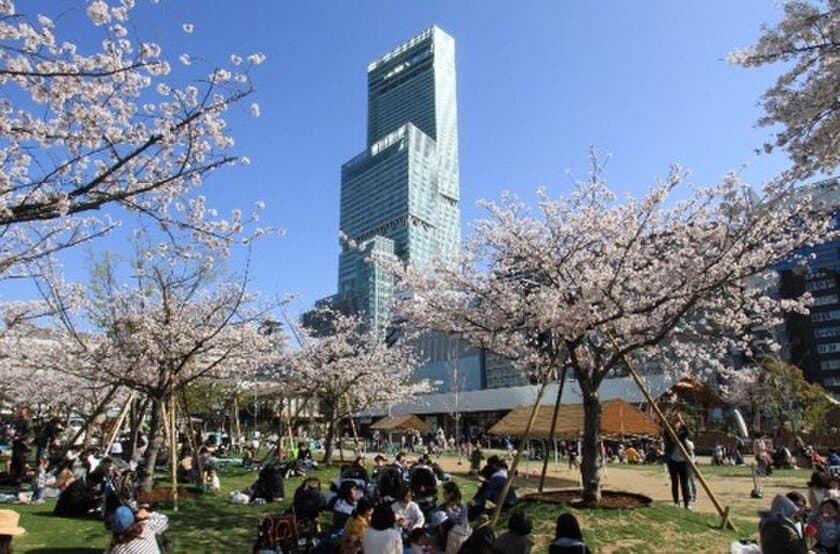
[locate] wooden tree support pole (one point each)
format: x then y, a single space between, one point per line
553 427
173 450
522 443
118 425
726 521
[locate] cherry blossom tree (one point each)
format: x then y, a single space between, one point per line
174 327
84 132
348 369
591 280
803 103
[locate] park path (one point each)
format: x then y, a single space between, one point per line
653 481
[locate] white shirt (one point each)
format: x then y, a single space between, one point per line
388 541
409 512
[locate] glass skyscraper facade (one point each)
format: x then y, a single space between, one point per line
399 198
400 195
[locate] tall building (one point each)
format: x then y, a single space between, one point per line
812 341
399 197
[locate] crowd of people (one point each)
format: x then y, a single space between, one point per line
397 508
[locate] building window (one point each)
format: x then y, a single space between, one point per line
830 364
831 382
828 347
821 284
826 299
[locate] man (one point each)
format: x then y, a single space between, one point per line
495 475
21 444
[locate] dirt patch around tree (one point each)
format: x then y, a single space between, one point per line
615 500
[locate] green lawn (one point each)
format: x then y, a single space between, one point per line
209 523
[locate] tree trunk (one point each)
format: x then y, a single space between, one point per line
557 402
328 440
147 472
136 424
590 466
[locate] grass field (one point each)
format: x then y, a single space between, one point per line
209 523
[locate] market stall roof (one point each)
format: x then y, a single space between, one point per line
617 418
400 423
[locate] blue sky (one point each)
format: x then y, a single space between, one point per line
538 84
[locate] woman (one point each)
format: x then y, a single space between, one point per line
678 464
407 513
354 529
382 537
136 533
819 488
9 529
568 538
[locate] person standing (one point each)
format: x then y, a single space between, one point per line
21 444
677 463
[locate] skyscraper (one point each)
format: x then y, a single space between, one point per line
399 197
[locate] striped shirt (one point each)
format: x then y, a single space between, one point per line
147 542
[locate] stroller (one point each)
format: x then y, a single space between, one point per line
423 485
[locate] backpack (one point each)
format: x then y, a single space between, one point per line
277 532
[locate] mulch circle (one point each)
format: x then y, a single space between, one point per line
610 500
164 494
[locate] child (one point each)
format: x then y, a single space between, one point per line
212 480
828 525
40 480
419 541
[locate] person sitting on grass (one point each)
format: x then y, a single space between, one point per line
304 456
568 538
495 475
354 529
345 504
74 500
819 488
212 480
382 537
779 530
407 513
827 523
136 533
419 541
517 539
9 528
